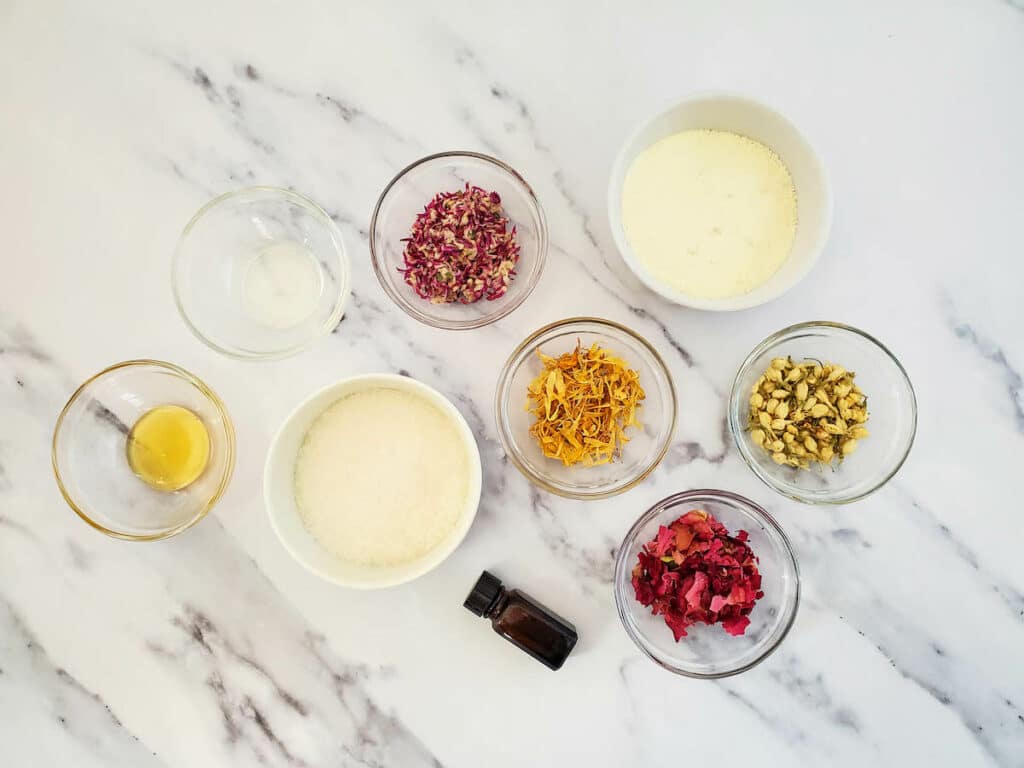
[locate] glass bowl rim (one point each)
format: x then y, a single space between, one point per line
502 392
329 324
532 279
737 430
756 511
229 429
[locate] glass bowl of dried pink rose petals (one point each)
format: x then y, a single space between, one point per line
458 240
706 584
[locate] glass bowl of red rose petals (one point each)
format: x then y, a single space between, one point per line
706 584
458 240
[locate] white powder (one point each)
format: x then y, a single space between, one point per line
709 213
382 477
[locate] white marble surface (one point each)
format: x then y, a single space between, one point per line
216 649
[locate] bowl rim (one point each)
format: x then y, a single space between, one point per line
345 279
730 303
532 278
737 429
675 499
229 467
502 394
431 559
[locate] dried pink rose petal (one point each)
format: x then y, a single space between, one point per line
694 571
665 541
736 626
461 248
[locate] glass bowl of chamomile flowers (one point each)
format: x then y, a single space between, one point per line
823 413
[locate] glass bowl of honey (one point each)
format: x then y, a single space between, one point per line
143 450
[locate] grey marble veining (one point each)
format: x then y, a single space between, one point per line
216 649
271 688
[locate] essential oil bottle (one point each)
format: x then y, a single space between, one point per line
523 621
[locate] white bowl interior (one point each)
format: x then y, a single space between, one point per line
279 490
756 121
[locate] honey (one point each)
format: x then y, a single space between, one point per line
168 448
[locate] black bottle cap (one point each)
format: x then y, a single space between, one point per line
485 592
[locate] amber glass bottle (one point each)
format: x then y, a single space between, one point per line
523 621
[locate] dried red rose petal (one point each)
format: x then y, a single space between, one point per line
693 571
665 541
461 248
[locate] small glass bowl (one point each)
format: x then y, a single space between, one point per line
90 451
647 445
709 651
260 273
892 413
408 193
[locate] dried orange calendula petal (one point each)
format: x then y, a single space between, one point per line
583 402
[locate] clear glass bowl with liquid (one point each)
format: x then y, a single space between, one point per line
92 444
261 273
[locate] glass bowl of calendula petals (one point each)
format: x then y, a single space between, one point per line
585 408
823 413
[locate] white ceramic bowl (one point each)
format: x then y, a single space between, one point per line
279 492
737 114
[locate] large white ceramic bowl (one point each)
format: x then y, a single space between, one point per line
279 488
737 114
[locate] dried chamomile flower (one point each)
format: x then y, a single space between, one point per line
807 412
